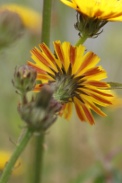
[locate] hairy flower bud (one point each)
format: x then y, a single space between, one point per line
42 112
24 78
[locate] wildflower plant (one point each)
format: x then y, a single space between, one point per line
74 77
93 15
61 78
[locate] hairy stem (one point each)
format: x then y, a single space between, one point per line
11 163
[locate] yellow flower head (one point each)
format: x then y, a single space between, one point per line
30 18
109 10
75 78
4 158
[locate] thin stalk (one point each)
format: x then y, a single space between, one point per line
47 6
39 141
38 159
11 163
81 40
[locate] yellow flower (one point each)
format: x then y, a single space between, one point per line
30 18
109 10
75 78
4 158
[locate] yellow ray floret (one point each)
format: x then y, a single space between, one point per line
4 158
109 10
75 78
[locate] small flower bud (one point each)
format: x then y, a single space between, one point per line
11 27
24 78
41 113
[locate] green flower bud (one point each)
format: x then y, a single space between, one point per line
24 78
41 113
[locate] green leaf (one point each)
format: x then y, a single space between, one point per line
115 85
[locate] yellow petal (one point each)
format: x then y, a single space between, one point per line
66 111
89 60
4 158
40 60
84 112
101 9
78 58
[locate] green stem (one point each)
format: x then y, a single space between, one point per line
38 151
11 163
38 159
46 21
81 40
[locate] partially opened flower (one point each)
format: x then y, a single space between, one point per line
30 18
74 77
93 14
110 10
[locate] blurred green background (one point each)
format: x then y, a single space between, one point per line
75 152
